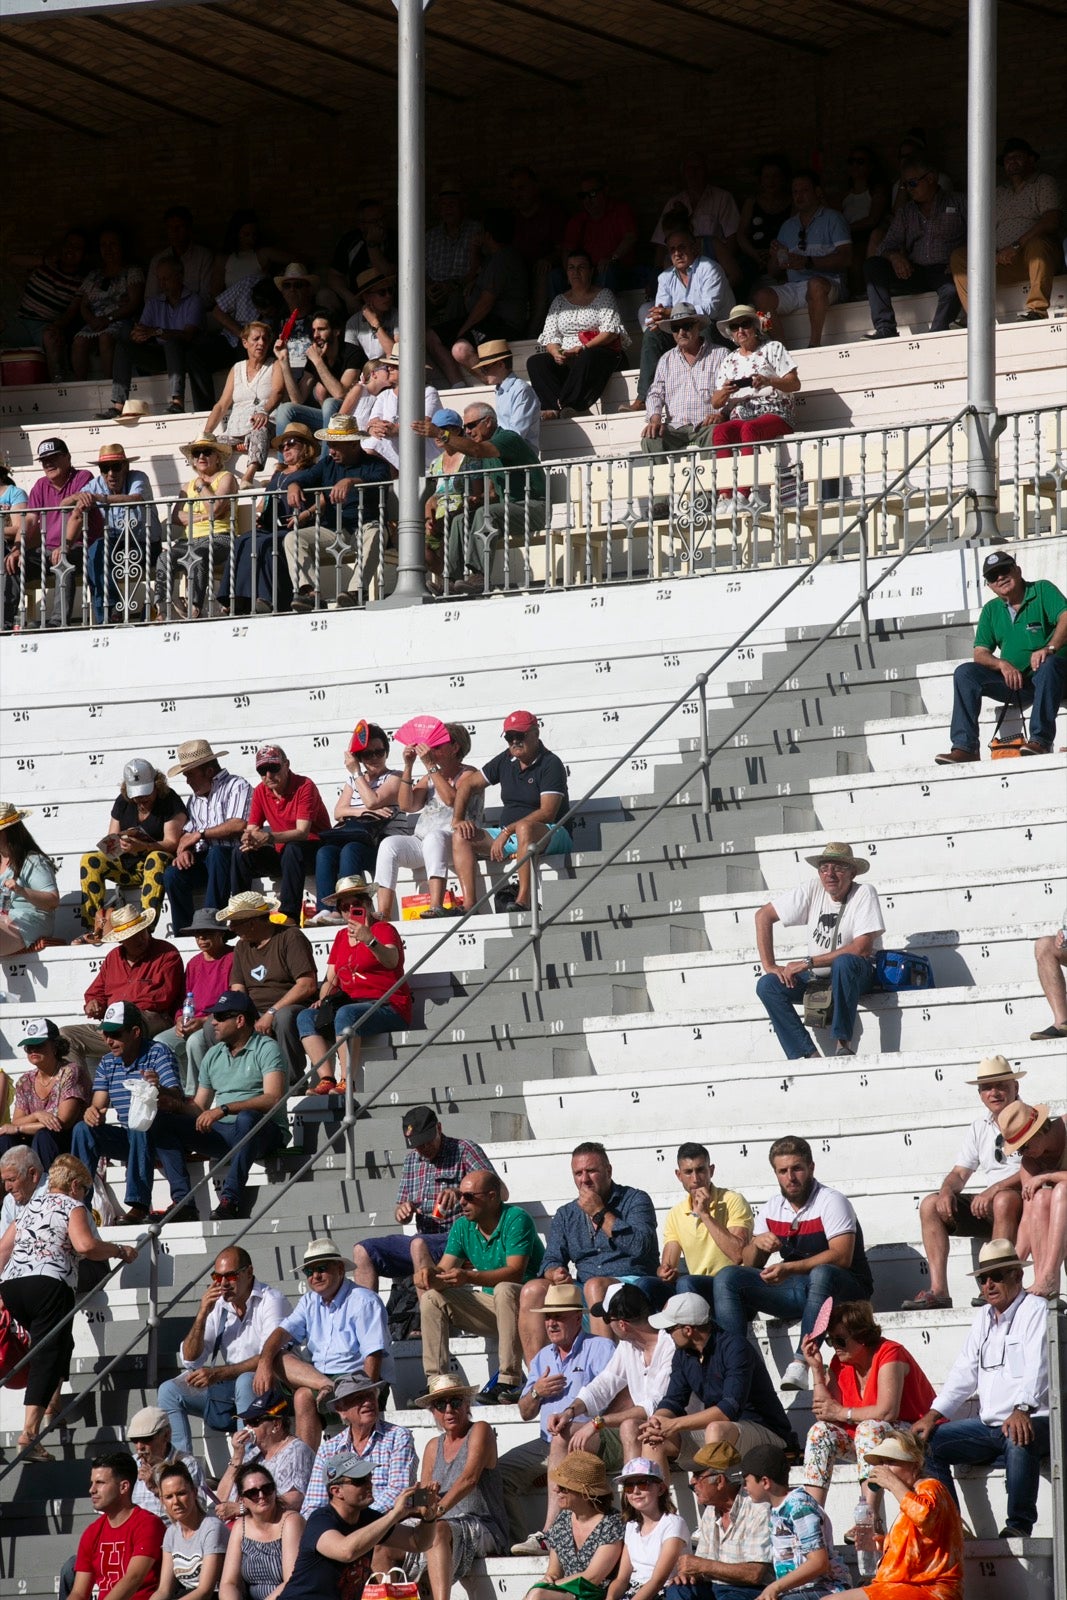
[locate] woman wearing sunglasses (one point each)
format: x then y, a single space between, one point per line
461 1464
757 382
263 1541
873 1387
366 804
366 960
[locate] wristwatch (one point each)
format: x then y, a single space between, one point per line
1024 1408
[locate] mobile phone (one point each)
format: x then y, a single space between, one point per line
422 1500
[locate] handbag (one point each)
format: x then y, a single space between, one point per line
326 1012
14 1344
586 337
392 1585
819 996
581 1588
220 1408
900 969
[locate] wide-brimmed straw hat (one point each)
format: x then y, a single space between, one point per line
296 272
126 921
994 1069
340 430
293 430
442 1387
1019 1122
370 278
491 352
839 855
246 905
561 1297
207 441
738 314
194 753
111 454
997 1253
132 412
345 888
10 814
582 1473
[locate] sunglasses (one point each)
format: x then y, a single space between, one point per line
447 1405
642 1483
375 750
226 1277
514 738
271 769
836 1342
990 1277
736 327
291 444
319 1272
998 577
258 1491
913 183
683 327
199 454
473 1198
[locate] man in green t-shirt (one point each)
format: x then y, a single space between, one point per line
1026 623
492 1250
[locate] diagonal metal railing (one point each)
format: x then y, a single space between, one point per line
531 940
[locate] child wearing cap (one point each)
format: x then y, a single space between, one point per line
805 1563
656 1536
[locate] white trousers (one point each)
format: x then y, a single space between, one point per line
431 856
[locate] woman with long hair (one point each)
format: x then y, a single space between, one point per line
655 1534
29 892
585 1538
194 1545
432 795
50 1097
264 1540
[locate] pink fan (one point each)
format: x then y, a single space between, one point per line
822 1319
423 730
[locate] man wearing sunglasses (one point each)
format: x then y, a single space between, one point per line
1005 1360
1026 622
680 412
914 255
734 1557
285 819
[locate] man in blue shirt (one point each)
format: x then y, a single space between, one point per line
350 505
161 338
812 253
608 1235
344 1330
131 527
132 1055
517 407
691 279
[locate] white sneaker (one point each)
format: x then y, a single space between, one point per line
535 1545
796 1376
324 919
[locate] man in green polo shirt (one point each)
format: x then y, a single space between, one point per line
1027 624
492 1250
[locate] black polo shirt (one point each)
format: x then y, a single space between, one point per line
521 787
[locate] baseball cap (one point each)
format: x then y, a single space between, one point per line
622 1301
347 1465
121 1014
139 776
52 447
642 1467
272 1404
683 1310
519 722
719 1457
269 752
146 1423
766 1461
40 1031
1000 561
445 418
234 1003
419 1125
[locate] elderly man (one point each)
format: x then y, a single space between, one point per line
1028 228
123 495
373 327
558 1372
148 1436
692 280
625 1393
734 1557
384 425
913 256
708 1230
132 1055
1005 1361
1026 621
1050 955
817 1238
142 970
1041 1140
21 1176
161 338
679 408
813 253
434 1168
123 1548
533 787
216 810
46 538
517 407
343 1329
350 503
275 966
607 1233
388 1447
724 1374
991 1211
492 1250
220 1353
285 818
316 391
845 927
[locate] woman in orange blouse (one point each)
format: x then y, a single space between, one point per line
922 1554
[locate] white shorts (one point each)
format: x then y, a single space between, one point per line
794 296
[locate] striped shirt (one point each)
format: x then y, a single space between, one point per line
422 1180
391 1452
112 1073
681 393
229 797
48 292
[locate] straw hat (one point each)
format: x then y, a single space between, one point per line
132 412
491 352
996 1253
207 441
296 272
110 454
340 430
126 921
318 1250
370 278
293 430
839 855
246 905
10 814
1019 1122
994 1069
346 888
582 1473
194 753
741 313
442 1387
562 1297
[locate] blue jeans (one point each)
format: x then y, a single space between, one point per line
971 684
210 872
108 560
710 1589
171 1131
384 1020
695 1283
335 861
391 1252
180 1400
136 1150
974 1443
740 1292
310 415
850 977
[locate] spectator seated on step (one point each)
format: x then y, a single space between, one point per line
132 1054
49 303
365 1433
216 814
370 246
13 501
220 1352
612 1407
161 339
459 489
428 1196
497 301
845 927
359 402
143 835
914 254
812 254
1050 955
711 213
195 1542
608 1233
692 280
258 577
993 1207
492 1250
431 797
1027 230
460 1465
141 971
724 1375
29 877
332 367
50 1096
708 1230
568 1360
1005 1361
149 1438
297 287
807 1248
801 1535
679 410
342 1330
207 976
349 515
1041 1140
285 818
49 550
197 260
252 390
585 1537
373 325
757 381
383 424
533 788
605 229
1026 622
655 1535
734 1557
267 1438
344 1540
517 407
451 262
205 521
365 806
120 560
124 1545
274 964
581 344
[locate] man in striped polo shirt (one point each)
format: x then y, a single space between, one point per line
217 811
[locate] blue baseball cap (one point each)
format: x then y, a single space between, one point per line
446 419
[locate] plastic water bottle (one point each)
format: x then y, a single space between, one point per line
189 1008
866 1544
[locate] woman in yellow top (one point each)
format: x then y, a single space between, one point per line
210 516
922 1554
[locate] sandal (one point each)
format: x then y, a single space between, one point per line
927 1300
33 1450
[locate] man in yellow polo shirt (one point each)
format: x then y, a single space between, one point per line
709 1229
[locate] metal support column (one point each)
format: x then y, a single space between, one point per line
983 426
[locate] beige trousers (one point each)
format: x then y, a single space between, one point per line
471 1311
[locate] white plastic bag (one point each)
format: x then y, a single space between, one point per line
144 1103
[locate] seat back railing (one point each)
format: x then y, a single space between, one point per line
697 768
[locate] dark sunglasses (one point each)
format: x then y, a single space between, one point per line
836 1342
271 769
375 750
197 454
317 1272
996 577
258 1491
682 327
291 444
447 1405
471 1197
748 322
913 183
990 1277
226 1277
514 738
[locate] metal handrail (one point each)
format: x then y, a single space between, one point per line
538 924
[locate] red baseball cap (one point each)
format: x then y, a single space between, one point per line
519 722
269 752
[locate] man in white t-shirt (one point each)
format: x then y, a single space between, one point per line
989 1212
384 426
845 927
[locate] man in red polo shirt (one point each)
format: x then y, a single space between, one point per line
144 971
50 497
284 823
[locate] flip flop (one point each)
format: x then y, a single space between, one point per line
927 1300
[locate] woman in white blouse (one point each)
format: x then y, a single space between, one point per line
581 342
